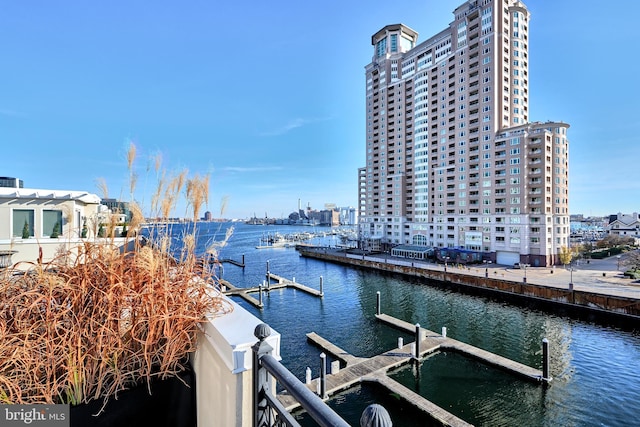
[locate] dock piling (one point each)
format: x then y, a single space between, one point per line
545 360
321 287
323 376
268 275
260 293
400 342
417 354
308 375
378 303
444 332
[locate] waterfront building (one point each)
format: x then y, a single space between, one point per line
452 158
119 207
35 222
348 215
624 225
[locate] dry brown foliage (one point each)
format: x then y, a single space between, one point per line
71 334
98 320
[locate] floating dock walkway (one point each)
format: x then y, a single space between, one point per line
233 261
358 370
445 343
334 350
374 370
281 283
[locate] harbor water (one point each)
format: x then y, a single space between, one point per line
595 368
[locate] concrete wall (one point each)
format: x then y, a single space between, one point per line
222 365
28 250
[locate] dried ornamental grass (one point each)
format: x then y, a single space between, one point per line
71 334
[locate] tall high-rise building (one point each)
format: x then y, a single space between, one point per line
452 159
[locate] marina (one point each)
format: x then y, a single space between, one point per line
581 353
358 370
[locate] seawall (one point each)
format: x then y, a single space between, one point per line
597 307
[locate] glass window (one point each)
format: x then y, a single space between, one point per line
394 42
22 219
51 223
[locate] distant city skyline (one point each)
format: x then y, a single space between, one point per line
268 99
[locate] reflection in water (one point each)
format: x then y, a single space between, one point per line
594 367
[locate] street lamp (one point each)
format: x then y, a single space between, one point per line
486 267
571 279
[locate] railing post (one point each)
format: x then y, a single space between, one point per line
260 375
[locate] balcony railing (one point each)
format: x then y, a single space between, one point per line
268 411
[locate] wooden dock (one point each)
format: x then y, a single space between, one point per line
374 369
340 354
354 373
466 349
241 292
281 283
292 284
437 413
233 261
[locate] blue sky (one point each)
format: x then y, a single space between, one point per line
268 97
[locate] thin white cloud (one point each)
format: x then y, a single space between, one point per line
291 125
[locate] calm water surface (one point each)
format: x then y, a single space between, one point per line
596 369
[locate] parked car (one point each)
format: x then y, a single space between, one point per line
516 265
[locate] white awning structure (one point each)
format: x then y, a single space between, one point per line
32 193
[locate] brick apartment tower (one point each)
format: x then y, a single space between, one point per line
452 158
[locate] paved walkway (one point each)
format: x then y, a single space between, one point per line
599 275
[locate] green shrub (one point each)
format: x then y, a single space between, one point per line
25 231
56 231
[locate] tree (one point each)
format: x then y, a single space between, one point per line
124 231
586 247
614 240
25 230
632 260
101 231
566 255
85 230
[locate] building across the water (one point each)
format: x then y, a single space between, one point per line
624 225
453 159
